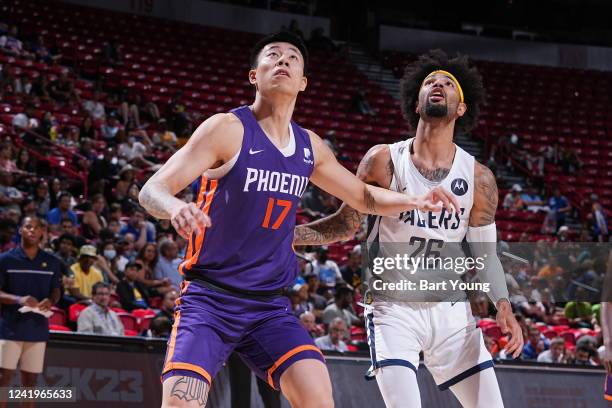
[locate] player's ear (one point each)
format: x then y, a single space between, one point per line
417 108
303 84
461 109
252 76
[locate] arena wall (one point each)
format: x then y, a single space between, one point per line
212 14
497 49
124 372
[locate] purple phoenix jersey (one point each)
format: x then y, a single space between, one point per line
248 248
252 210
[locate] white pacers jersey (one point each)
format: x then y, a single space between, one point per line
442 225
445 331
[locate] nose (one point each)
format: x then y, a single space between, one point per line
282 61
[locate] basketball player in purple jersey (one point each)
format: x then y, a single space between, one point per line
254 164
606 328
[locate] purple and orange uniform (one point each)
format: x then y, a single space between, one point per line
238 269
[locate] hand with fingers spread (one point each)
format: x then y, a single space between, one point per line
188 218
508 325
437 199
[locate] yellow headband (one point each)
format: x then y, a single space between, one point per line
452 77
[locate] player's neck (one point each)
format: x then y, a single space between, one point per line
274 116
434 141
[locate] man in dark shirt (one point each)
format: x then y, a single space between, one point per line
351 272
132 293
28 277
167 307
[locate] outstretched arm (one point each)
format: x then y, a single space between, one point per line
376 168
482 236
330 176
214 142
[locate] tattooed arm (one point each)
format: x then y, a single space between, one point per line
376 168
485 197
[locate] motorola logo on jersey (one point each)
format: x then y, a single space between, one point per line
459 186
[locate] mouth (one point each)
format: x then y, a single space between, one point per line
282 72
436 96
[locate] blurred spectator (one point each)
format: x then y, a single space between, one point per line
56 215
179 117
147 258
317 302
333 340
85 273
10 44
105 265
42 52
25 163
312 202
341 308
98 318
309 323
93 217
10 197
536 343
65 249
351 272
578 311
126 179
599 223
87 128
132 293
94 107
167 306
160 327
164 137
555 354
28 277
62 89
168 263
583 356
111 52
532 200
512 200
8 228
559 206
299 298
326 269
25 120
361 105
103 168
67 227
551 270
137 227
40 88
110 128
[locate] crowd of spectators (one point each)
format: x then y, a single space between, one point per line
119 260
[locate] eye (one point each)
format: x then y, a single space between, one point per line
450 83
294 57
272 54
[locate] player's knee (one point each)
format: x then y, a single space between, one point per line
315 398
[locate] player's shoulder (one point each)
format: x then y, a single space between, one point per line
483 174
219 123
376 166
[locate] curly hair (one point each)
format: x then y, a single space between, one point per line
461 67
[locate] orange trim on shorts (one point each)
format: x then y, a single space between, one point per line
190 367
608 397
287 356
177 319
199 239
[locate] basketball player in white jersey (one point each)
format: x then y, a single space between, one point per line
440 96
